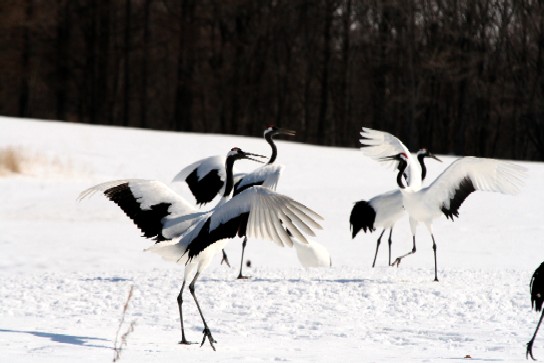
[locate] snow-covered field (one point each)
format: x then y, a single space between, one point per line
66 267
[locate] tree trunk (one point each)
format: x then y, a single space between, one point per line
26 75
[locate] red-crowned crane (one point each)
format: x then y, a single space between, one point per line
191 237
205 178
450 189
386 209
537 299
383 210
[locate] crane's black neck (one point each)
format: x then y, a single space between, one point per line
421 159
268 137
229 183
401 167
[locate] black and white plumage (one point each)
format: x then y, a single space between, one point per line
384 210
536 287
186 235
380 144
450 189
205 178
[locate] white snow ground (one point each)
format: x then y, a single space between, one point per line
66 267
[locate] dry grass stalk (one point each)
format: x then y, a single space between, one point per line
11 160
121 342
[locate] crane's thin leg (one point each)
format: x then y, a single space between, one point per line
377 247
225 259
434 250
180 302
398 259
207 333
390 242
530 344
240 276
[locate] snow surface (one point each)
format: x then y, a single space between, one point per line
67 267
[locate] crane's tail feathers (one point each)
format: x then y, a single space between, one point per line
170 251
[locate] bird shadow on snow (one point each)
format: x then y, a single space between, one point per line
476 359
300 280
108 279
62 338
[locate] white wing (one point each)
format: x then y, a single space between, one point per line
272 213
468 174
203 167
266 176
151 205
205 178
379 144
257 212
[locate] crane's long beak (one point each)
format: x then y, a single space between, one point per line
248 156
287 132
433 156
390 158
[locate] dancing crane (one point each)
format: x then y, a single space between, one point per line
191 237
450 189
384 210
205 178
537 299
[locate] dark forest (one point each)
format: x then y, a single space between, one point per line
462 77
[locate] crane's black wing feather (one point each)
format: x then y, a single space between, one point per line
205 188
229 229
149 221
463 190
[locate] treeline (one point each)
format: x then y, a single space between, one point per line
463 77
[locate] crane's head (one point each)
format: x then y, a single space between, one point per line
237 154
402 159
272 130
424 153
396 157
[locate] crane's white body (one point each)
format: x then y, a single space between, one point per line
388 207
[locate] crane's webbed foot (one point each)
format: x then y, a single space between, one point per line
242 277
208 334
529 352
